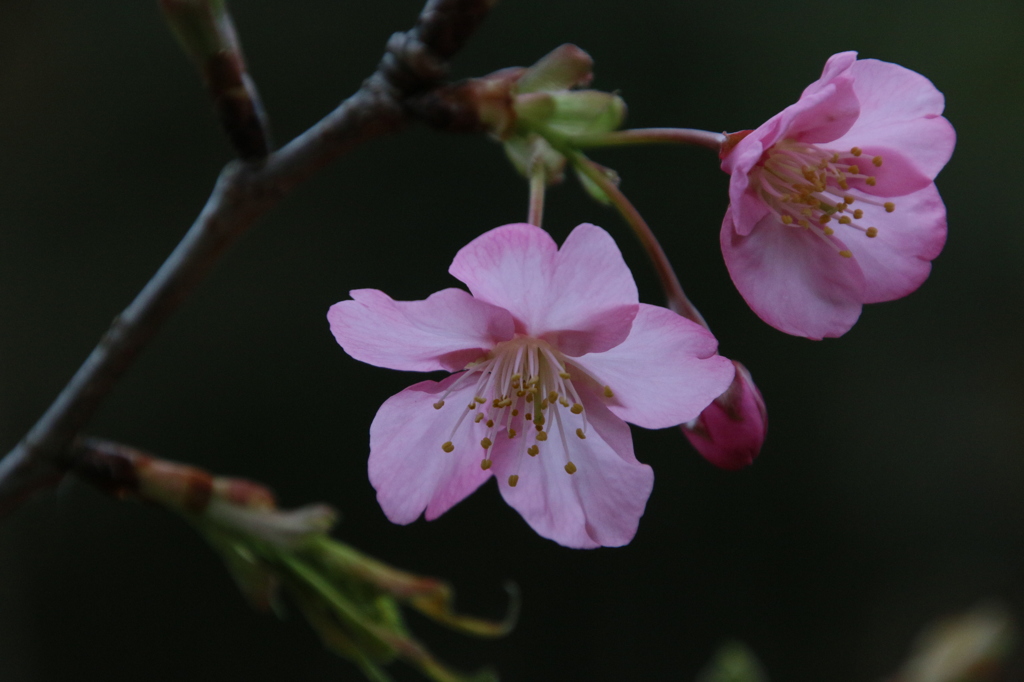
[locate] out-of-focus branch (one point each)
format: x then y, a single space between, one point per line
350 599
415 61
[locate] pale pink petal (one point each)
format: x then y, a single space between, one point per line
408 468
898 174
836 66
593 299
665 373
823 115
889 92
748 208
898 260
599 505
446 331
927 143
509 267
793 280
730 431
581 298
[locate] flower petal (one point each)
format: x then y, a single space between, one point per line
408 468
446 331
600 504
582 298
793 280
665 373
925 143
898 260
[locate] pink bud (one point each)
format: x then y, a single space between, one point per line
730 431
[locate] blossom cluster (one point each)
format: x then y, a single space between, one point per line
550 352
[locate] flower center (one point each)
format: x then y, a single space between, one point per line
523 388
808 187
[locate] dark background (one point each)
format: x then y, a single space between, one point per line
890 489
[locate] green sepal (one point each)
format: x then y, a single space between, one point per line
586 112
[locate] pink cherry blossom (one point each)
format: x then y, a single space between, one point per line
551 351
730 431
833 201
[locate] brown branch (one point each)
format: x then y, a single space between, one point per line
414 62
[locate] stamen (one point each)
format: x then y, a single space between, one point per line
532 450
486 443
846 253
579 432
439 404
877 161
872 232
448 446
479 417
889 207
856 151
576 408
570 468
542 436
485 464
608 392
512 480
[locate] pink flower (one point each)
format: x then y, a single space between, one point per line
832 201
551 352
731 430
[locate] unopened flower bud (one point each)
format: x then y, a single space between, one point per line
730 431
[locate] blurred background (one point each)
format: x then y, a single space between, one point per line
889 492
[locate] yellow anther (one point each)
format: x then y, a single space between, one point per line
871 180
505 403
544 404
532 450
512 480
824 220
576 408
858 214
579 432
856 151
847 199
844 184
479 417
787 219
520 393
480 400
841 207
533 381
511 433
490 423
889 207
828 231
608 392
471 406
846 253
515 413
570 468
517 377
538 427
835 158
496 403
565 375
542 436
552 396
529 397
439 404
448 447
485 464
539 419
804 224
563 402
872 232
845 220
485 443
854 170
877 160
528 416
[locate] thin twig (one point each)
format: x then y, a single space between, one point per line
415 62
